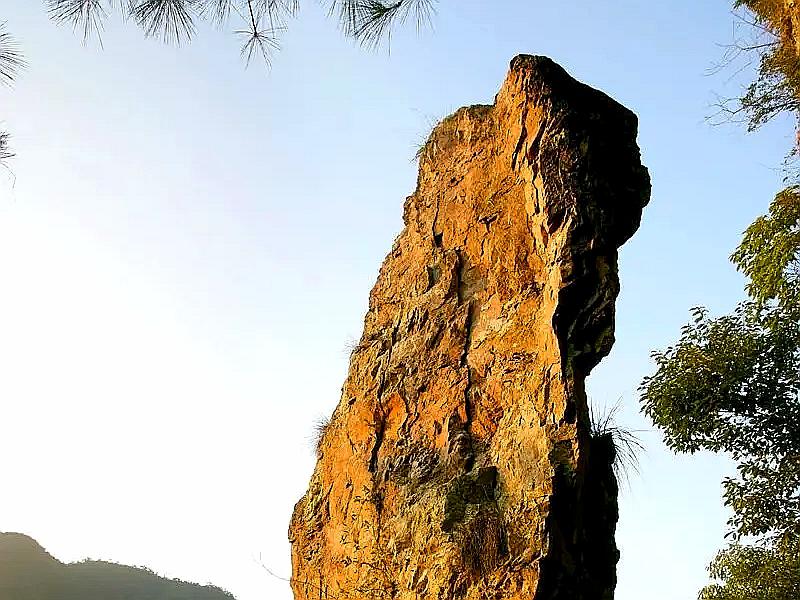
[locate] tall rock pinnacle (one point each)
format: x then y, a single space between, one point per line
459 462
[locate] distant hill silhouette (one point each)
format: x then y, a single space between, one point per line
28 572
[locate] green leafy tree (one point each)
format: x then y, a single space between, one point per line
754 573
731 383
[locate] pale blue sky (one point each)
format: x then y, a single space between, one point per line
188 246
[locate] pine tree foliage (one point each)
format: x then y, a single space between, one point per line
371 21
259 22
11 59
5 150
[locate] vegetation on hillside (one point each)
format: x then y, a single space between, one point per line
28 572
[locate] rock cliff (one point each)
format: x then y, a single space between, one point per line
459 462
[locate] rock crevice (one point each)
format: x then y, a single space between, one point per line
459 462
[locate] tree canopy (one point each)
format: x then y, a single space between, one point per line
755 573
731 383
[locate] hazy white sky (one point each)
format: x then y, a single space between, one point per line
186 248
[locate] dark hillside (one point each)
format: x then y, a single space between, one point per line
28 572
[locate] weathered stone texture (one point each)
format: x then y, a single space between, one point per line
458 463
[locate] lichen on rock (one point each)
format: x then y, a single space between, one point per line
458 463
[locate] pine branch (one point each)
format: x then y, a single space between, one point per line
5 152
174 21
11 59
170 20
86 16
371 21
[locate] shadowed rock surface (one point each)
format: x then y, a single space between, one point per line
28 572
459 461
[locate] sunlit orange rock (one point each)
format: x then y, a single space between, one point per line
459 462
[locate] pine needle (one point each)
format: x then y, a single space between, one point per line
371 21
86 16
11 59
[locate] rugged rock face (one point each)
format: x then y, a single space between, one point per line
459 462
